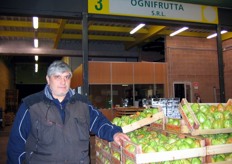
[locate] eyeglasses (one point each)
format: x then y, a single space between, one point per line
59 77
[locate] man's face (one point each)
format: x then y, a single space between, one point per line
59 84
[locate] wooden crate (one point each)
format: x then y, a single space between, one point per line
102 148
194 129
196 123
115 148
123 111
138 157
143 122
104 156
212 150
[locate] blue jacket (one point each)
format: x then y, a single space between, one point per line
99 125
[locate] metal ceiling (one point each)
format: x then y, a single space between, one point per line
59 31
55 30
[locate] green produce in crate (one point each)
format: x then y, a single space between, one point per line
185 109
156 142
128 161
107 161
201 117
218 158
172 121
149 149
185 161
220 107
195 107
228 123
227 114
212 116
188 114
117 155
130 148
218 124
207 124
218 115
161 148
195 161
117 121
126 120
219 139
204 108
229 108
228 157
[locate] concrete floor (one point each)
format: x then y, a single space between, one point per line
4 134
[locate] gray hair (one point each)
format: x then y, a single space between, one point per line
58 66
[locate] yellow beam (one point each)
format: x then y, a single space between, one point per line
28 24
187 33
72 36
7 23
65 36
115 29
26 34
59 32
226 36
153 30
17 34
77 27
111 38
73 27
99 37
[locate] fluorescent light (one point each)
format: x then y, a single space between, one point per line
223 31
215 34
178 31
137 28
211 36
36 43
36 57
35 22
36 67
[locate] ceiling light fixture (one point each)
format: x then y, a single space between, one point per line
36 67
35 22
36 43
137 28
36 57
178 31
215 34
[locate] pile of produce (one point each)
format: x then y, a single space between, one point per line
126 120
210 116
152 141
220 139
173 121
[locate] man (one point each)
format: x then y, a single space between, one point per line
52 126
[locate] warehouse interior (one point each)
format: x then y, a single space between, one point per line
61 34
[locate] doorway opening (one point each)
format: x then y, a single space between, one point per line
182 90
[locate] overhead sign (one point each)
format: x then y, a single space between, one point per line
155 9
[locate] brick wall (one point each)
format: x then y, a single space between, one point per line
192 59
227 57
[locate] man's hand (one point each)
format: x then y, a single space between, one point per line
120 137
